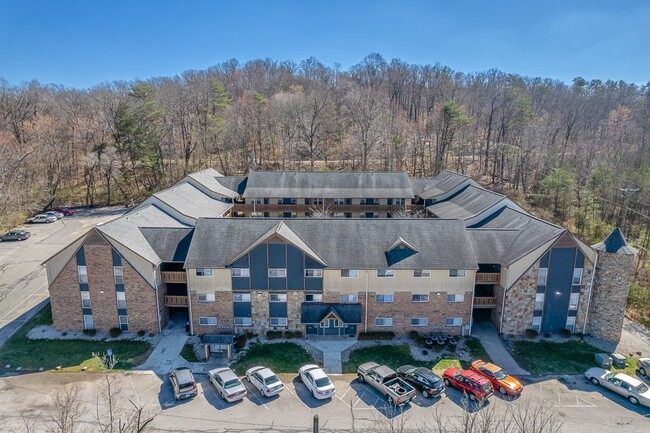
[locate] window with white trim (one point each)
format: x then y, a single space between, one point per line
453 321
314 297
241 297
346 299
243 321
385 273
82 271
419 321
457 273
88 321
278 321
85 299
257 201
313 273
124 323
573 301
537 323
570 323
399 201
577 277
539 301
121 300
277 297
277 272
456 297
421 273
383 299
349 273
206 297
118 274
384 321
339 201
240 272
203 272
541 276
257 214
207 321
420 298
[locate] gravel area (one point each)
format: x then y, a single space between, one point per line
47 332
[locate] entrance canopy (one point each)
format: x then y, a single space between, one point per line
315 313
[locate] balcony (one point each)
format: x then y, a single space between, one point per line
488 277
175 301
485 302
179 277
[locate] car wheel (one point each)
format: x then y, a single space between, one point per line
502 390
391 401
425 393
633 400
472 397
447 383
642 371
361 379
594 381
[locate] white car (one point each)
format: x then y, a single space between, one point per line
265 380
57 215
627 386
228 384
41 218
317 381
643 364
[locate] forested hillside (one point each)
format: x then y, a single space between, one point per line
563 150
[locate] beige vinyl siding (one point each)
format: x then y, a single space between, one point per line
517 269
220 281
403 281
56 263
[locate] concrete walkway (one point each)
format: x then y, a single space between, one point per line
166 355
489 337
332 350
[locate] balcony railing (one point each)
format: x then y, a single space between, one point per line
487 277
485 302
175 301
174 277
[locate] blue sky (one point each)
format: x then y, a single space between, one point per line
82 43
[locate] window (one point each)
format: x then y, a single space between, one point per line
573 301
121 300
240 272
85 300
315 201
539 301
457 273
384 299
570 323
420 298
453 321
338 215
349 273
339 201
206 297
399 201
124 323
421 273
313 297
278 321
313 273
287 200
257 201
368 201
83 274
88 321
203 272
330 323
541 276
419 321
577 276
456 297
241 297
118 273
243 321
385 273
257 214
277 297
384 321
537 323
277 273
207 321
346 299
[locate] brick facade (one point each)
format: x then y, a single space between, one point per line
221 308
66 300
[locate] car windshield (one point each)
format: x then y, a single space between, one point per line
231 383
642 388
323 381
271 380
501 374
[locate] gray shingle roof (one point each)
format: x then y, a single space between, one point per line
192 202
466 203
208 178
340 243
311 313
170 244
328 184
234 183
444 182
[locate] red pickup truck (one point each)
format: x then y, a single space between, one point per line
477 387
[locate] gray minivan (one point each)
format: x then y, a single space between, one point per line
183 383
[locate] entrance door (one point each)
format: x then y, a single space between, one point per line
558 289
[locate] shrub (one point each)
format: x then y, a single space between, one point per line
565 333
298 334
531 333
241 341
419 340
377 335
90 332
250 335
413 335
288 334
547 335
63 334
437 348
151 334
272 335
425 352
452 349
115 332
141 333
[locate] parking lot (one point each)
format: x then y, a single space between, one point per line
582 406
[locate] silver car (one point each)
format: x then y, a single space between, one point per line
55 214
42 218
627 386
227 384
183 383
265 380
643 364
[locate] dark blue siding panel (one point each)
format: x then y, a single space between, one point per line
117 259
580 260
119 287
277 284
558 289
278 309
295 270
242 309
311 263
83 287
313 284
240 283
543 262
241 262
81 257
277 255
259 271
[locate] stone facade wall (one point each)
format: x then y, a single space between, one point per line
221 308
294 301
583 302
162 310
609 297
65 299
260 311
520 303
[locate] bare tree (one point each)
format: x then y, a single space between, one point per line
67 412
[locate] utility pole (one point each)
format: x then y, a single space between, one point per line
627 192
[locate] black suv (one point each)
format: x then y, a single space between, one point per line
426 381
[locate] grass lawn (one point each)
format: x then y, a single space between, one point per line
476 349
544 357
72 355
444 364
279 357
188 353
392 356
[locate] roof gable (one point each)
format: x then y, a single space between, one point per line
398 251
615 243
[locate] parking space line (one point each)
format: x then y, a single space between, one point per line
295 394
251 391
222 404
